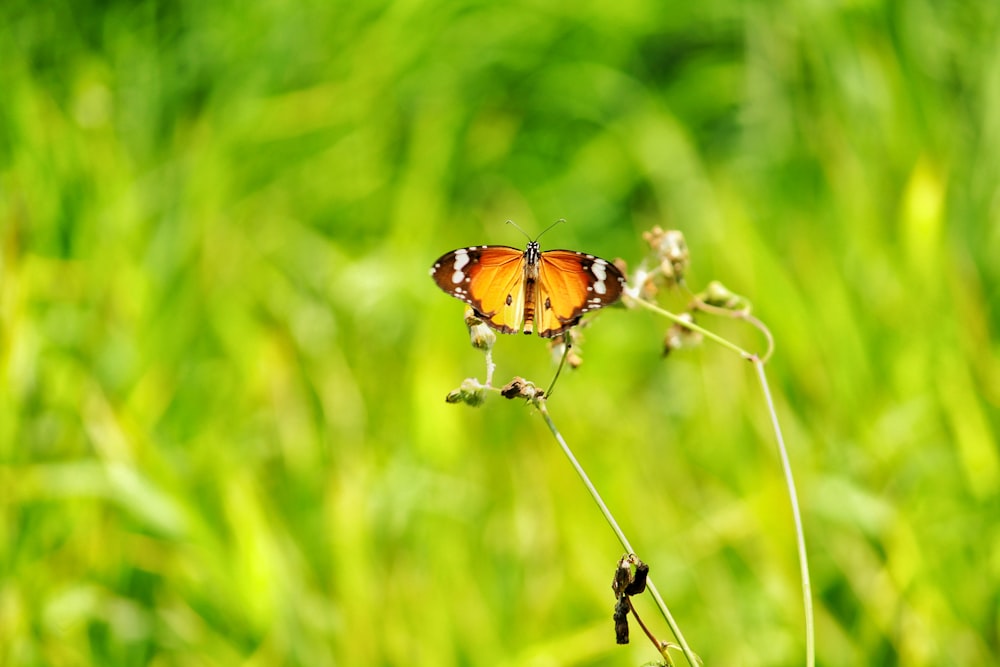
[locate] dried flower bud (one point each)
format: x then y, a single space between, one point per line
718 295
621 265
519 387
671 250
557 347
649 288
471 393
621 620
638 584
623 576
679 336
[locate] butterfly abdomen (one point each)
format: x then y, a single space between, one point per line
531 256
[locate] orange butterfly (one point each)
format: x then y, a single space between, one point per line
509 288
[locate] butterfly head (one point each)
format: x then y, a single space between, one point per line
532 253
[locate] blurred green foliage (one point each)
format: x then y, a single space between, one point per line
223 438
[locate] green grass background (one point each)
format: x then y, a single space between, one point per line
223 439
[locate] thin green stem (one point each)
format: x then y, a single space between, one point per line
692 326
674 628
786 465
743 315
562 362
663 647
793 498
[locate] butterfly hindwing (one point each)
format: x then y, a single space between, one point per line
570 284
488 278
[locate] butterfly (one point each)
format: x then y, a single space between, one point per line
510 288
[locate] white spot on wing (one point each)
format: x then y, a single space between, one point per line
461 259
600 270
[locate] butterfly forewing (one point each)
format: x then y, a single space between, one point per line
488 278
570 284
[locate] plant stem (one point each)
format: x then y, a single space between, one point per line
674 628
691 326
793 498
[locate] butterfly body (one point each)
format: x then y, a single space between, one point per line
512 290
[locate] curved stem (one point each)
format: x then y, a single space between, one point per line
799 534
562 362
674 628
691 326
739 315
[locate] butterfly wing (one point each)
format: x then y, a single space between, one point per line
570 284
488 278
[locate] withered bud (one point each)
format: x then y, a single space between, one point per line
627 582
718 295
621 620
671 249
623 576
471 393
679 336
638 584
621 265
557 347
519 387
649 288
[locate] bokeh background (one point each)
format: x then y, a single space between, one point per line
223 438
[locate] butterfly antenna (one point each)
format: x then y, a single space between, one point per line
518 228
557 222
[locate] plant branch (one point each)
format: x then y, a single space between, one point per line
674 628
793 498
677 319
